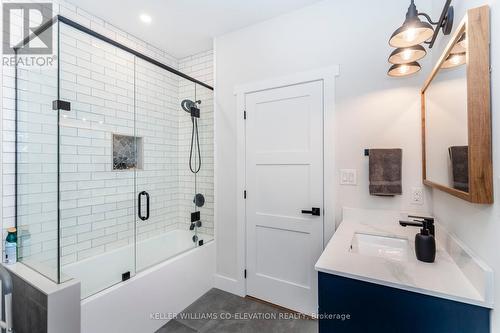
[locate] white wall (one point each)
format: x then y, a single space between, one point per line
372 110
479 225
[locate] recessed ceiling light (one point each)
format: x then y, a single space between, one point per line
145 18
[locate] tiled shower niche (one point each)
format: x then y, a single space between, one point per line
127 152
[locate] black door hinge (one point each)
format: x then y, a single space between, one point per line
244 115
244 194
61 105
245 273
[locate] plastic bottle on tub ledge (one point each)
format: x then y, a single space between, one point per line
11 246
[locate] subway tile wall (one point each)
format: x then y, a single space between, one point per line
98 204
198 66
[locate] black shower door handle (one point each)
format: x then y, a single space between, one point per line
139 208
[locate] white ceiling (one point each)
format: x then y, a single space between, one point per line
186 27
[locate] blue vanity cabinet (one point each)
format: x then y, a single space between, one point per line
354 306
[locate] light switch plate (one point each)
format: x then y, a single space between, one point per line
417 196
348 177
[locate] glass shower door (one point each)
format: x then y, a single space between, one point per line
98 161
159 235
33 128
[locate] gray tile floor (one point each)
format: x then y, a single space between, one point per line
246 315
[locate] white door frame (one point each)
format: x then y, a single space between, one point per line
327 75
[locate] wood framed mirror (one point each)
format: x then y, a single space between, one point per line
456 114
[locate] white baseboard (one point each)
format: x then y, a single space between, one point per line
230 285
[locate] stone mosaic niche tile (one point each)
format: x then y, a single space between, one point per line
126 152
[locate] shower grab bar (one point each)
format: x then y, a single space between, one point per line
139 208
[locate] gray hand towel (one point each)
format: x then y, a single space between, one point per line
385 171
459 156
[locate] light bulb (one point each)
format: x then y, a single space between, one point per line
404 69
410 34
406 54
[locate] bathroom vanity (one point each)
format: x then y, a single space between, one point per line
371 281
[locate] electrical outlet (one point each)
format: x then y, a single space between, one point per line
417 196
348 177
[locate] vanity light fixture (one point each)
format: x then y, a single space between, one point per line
407 38
407 54
404 69
454 60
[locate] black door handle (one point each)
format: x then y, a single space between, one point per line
139 208
314 211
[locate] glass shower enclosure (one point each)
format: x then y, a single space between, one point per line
112 174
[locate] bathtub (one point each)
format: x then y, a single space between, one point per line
110 265
147 300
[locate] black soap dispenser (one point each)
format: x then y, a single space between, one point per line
425 244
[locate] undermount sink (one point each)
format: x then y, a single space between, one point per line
388 247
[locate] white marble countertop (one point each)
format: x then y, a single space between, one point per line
444 278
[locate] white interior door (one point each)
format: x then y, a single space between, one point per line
284 176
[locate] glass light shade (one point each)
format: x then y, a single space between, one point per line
404 69
411 33
406 55
454 60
